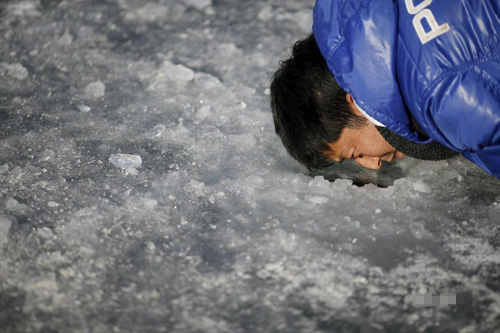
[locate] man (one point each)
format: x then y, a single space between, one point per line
421 79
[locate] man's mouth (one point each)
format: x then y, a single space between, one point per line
389 157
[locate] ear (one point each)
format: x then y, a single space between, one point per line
353 106
349 99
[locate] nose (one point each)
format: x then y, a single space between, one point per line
369 162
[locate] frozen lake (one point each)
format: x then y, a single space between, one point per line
142 188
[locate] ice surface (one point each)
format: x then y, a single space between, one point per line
207 225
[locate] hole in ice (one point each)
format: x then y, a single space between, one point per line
360 176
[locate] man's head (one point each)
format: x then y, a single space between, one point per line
316 119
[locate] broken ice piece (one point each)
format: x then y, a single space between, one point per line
65 39
4 168
131 171
5 225
176 72
16 71
198 4
155 131
84 108
95 90
203 112
152 12
125 161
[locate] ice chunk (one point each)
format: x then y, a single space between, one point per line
16 71
5 225
117 231
451 174
207 81
14 206
4 168
65 40
240 106
203 112
152 12
43 286
265 13
418 230
46 155
125 161
142 204
318 200
198 4
170 76
420 186
150 246
84 108
342 184
95 90
221 120
177 72
155 132
23 8
230 49
45 233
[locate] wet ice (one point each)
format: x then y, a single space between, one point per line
142 187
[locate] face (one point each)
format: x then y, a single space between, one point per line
365 145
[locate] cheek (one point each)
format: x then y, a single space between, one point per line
375 145
380 141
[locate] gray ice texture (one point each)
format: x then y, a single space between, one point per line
142 188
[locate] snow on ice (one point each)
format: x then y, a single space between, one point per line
220 231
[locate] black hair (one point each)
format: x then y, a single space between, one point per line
309 108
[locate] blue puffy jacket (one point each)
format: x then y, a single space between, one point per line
436 59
